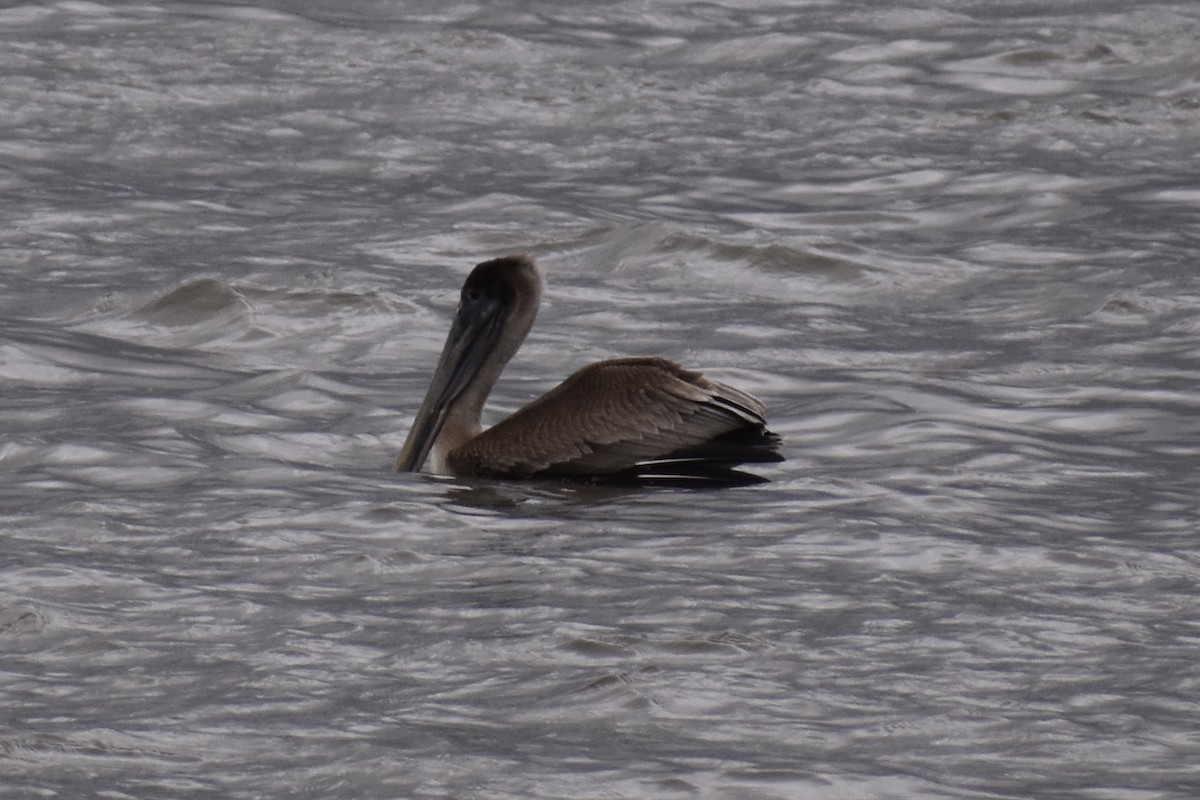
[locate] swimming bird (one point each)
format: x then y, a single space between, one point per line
630 419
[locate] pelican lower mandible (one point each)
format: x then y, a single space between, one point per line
628 419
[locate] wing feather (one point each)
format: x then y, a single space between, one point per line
616 416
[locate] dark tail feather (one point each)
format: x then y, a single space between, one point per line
744 446
708 465
679 475
703 466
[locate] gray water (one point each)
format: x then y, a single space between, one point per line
951 245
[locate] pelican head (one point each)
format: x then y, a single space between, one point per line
496 309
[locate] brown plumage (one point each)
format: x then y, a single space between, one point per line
637 419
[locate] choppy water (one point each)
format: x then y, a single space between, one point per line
952 246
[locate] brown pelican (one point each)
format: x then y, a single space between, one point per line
630 419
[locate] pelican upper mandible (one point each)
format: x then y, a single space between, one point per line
629 419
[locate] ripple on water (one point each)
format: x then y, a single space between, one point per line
949 250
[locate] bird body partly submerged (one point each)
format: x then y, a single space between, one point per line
630 419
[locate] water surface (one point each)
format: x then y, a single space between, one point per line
951 247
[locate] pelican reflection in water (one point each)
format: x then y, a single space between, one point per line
629 419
